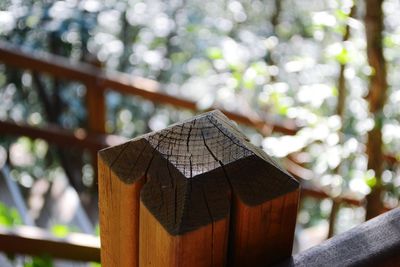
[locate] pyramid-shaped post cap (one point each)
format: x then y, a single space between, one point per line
193 167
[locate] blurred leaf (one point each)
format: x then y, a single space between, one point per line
9 216
343 57
60 230
389 41
44 261
214 53
371 181
97 230
249 83
341 15
335 91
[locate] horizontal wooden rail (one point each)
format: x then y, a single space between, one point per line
373 243
35 241
93 141
319 194
91 75
61 137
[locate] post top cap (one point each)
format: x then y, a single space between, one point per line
204 157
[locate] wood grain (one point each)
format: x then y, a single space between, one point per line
262 235
192 171
205 246
96 108
189 160
119 218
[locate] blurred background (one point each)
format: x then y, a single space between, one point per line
314 83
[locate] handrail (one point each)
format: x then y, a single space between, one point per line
62 137
32 240
88 74
96 80
94 141
373 243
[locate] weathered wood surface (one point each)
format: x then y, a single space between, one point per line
36 241
256 243
199 181
373 243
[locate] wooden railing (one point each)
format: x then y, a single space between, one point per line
373 243
36 241
194 194
94 137
83 139
199 194
97 82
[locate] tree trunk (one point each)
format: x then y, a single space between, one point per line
376 97
340 111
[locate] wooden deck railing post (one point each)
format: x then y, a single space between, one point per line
194 194
96 111
96 108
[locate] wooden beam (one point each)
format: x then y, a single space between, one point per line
303 174
35 241
200 184
61 137
308 191
373 243
120 82
96 108
92 141
57 66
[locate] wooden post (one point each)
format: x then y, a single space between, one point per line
96 108
96 111
197 193
95 100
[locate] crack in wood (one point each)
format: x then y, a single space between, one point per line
192 167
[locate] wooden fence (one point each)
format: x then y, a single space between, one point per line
199 194
194 194
36 241
97 82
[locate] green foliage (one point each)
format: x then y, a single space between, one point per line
214 53
9 216
39 262
343 57
60 230
97 230
370 179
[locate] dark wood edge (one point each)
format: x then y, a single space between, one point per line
35 241
373 243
